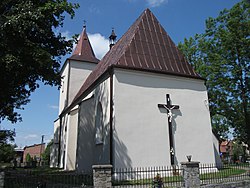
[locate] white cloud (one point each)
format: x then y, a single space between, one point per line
156 3
53 106
99 44
93 9
67 35
46 141
31 136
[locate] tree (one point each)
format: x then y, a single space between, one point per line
7 151
30 49
221 55
7 136
28 158
238 151
46 153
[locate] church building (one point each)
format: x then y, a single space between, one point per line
141 105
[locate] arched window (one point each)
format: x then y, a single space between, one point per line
99 125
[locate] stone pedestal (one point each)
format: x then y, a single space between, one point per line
191 174
102 176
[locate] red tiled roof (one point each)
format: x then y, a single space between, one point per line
226 146
224 143
83 50
146 46
223 149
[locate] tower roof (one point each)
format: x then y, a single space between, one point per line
83 50
146 46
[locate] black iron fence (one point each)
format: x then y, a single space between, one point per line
159 177
155 177
33 179
214 174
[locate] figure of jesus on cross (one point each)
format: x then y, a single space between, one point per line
169 109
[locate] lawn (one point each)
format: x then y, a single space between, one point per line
227 172
224 173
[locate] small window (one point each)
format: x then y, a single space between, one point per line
62 86
99 124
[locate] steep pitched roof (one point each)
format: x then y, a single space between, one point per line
146 46
83 50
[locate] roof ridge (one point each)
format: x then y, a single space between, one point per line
146 46
136 23
108 55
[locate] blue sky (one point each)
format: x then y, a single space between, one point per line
180 18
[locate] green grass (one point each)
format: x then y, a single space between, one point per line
224 173
169 179
58 176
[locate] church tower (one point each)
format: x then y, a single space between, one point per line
76 69
74 73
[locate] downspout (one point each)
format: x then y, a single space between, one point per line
111 73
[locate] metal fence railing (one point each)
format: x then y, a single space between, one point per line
155 177
32 179
212 174
158 177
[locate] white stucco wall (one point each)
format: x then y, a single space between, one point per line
54 147
74 74
216 145
64 89
85 141
79 71
63 139
88 151
71 140
141 128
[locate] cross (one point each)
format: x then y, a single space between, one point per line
169 109
84 23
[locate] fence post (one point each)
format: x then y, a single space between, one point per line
191 174
102 176
2 179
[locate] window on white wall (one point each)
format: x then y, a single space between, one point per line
62 85
99 124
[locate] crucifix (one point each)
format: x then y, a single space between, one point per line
84 23
169 109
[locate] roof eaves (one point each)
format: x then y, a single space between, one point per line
82 59
68 59
88 61
159 72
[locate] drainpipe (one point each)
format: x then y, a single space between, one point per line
111 73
